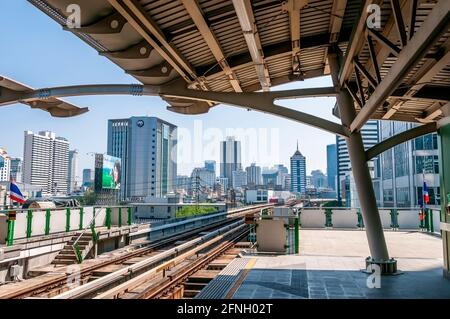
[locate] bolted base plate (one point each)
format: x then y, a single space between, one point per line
387 267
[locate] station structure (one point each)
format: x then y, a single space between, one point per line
388 60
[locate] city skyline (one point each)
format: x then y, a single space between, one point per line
78 61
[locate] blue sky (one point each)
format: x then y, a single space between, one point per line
37 52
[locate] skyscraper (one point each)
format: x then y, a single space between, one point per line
46 162
254 176
211 166
370 134
331 166
405 167
88 177
73 168
204 178
147 148
230 158
298 172
5 165
239 178
16 170
318 179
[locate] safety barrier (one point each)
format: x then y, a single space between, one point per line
27 223
427 220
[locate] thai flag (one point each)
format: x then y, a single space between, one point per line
426 196
15 194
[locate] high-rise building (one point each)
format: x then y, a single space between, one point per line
73 169
239 178
298 172
46 162
318 179
405 167
5 165
16 170
230 158
254 176
147 147
270 177
222 183
283 173
183 183
210 165
331 166
370 134
88 177
203 177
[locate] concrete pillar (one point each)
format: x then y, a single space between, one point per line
360 170
444 169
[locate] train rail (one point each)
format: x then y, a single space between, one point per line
58 285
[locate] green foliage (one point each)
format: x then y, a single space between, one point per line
187 211
89 198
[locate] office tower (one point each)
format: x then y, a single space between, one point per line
239 178
46 162
298 172
16 170
283 173
73 169
230 158
147 147
254 176
370 136
318 179
405 167
331 166
211 166
270 177
5 165
203 177
88 177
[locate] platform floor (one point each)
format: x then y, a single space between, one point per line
329 267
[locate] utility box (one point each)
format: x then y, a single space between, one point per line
271 235
282 211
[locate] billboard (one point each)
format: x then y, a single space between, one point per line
111 171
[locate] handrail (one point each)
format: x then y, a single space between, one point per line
434 207
91 225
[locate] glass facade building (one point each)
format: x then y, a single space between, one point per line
147 147
405 167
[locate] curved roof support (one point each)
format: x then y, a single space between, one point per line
259 101
400 138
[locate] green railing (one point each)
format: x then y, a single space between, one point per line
425 220
25 227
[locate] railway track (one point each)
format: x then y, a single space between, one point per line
162 280
57 285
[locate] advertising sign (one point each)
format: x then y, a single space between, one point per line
111 172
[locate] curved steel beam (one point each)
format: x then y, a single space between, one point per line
259 101
400 138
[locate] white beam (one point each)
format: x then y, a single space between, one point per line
246 18
434 26
293 7
196 14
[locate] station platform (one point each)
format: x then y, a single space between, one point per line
329 267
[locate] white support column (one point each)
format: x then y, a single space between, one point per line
360 169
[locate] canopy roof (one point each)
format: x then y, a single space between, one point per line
243 45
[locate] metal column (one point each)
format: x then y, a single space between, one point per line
361 174
444 169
